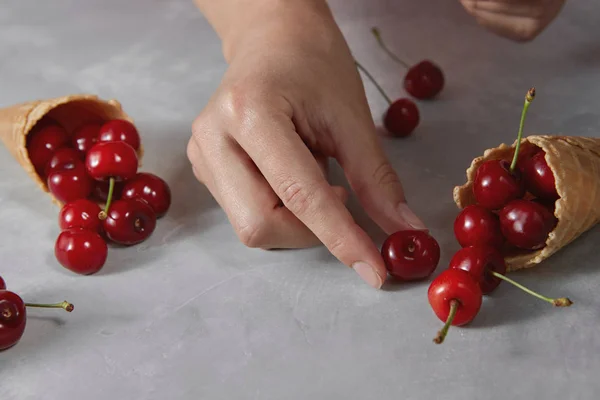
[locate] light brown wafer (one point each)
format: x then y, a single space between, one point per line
575 162
70 111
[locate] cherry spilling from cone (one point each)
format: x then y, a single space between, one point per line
93 172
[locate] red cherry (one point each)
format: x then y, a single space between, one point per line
495 185
85 137
81 251
2 284
12 319
526 224
101 188
116 160
410 254
401 117
129 221
70 183
43 142
455 298
538 177
480 261
424 80
80 213
150 188
120 130
62 158
476 225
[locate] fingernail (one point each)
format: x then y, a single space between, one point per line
368 274
409 216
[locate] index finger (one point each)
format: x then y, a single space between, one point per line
295 176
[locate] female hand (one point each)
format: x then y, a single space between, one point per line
291 98
519 20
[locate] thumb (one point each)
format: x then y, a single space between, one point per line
374 180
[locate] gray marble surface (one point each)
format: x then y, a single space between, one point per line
193 314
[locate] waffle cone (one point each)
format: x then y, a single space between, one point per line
575 162
70 111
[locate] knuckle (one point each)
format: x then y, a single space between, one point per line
253 233
385 175
296 197
237 105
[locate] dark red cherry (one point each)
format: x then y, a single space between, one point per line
538 177
100 191
120 130
480 261
70 183
107 160
85 137
495 184
401 117
2 284
424 80
476 225
43 142
62 158
526 224
13 318
129 221
80 213
410 254
150 188
81 251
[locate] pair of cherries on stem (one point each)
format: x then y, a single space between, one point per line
13 315
456 295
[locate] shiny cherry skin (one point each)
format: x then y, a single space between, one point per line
401 118
495 185
459 285
100 191
116 160
81 251
410 255
70 183
526 224
150 188
120 130
85 137
129 222
2 284
62 158
476 225
479 261
81 213
43 142
424 80
538 177
13 318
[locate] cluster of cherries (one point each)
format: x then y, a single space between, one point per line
97 164
13 315
424 81
501 221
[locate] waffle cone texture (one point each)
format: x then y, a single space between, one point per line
575 163
71 112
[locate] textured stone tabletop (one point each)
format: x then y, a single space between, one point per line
193 314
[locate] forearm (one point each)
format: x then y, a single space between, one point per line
232 19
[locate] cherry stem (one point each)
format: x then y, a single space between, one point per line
393 56
363 69
441 335
560 302
111 188
528 99
65 305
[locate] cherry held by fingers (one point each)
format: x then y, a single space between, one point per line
129 221
81 251
526 224
480 261
476 225
410 254
150 188
455 298
120 130
82 213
